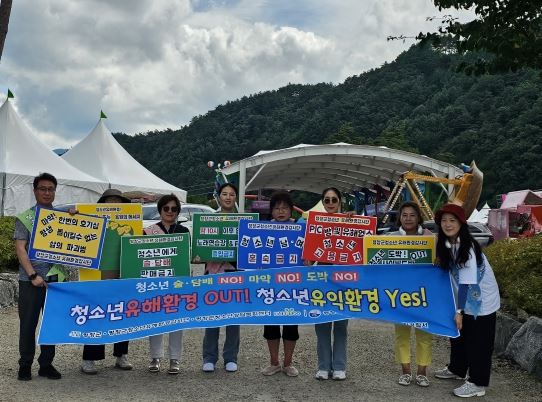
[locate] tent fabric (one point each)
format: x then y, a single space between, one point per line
521 197
101 156
480 216
23 156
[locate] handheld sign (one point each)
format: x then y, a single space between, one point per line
336 238
214 237
58 237
155 256
269 244
399 249
124 220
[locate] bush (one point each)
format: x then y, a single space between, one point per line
8 258
518 269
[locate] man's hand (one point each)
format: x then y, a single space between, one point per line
458 321
39 282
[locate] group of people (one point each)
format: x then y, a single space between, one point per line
475 288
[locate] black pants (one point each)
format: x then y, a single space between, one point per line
473 348
31 300
97 352
289 332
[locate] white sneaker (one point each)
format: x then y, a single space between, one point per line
88 367
322 375
123 363
339 375
445 374
469 389
405 379
231 367
208 367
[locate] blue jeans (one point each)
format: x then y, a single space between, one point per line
231 344
332 357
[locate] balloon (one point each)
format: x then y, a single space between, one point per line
210 164
227 163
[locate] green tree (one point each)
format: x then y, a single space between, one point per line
506 35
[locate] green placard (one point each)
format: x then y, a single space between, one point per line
155 256
399 249
214 237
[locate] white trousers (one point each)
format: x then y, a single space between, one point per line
175 345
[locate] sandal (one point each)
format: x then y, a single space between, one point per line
405 379
422 380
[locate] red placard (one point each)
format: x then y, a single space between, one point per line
336 238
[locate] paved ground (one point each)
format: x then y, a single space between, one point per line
372 373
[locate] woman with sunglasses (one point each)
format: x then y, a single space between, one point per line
169 208
281 206
477 302
331 355
410 219
227 197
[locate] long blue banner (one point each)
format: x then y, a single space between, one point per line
119 310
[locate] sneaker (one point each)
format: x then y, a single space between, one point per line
469 389
154 366
123 363
25 373
270 370
208 367
405 379
290 371
446 374
50 372
422 380
339 375
322 375
88 367
231 367
174 366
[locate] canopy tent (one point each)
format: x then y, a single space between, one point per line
345 166
480 216
101 156
23 156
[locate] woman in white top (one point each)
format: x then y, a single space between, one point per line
477 302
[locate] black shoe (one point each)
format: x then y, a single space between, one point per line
25 373
50 372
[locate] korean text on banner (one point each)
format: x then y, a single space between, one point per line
124 220
399 249
61 238
214 236
113 311
269 244
155 256
336 238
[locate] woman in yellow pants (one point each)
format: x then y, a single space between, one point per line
410 218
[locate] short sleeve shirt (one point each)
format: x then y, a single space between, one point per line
41 268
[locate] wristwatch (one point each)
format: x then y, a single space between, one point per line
459 311
33 276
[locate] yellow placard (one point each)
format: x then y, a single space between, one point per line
62 238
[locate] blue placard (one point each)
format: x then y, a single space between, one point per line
118 310
269 244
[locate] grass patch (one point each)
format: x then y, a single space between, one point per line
8 258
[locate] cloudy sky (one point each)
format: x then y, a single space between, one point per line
153 64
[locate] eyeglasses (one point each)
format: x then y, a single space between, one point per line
46 189
281 209
173 209
332 200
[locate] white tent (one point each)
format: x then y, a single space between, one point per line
480 216
101 156
23 156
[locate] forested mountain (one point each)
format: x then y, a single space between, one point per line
416 103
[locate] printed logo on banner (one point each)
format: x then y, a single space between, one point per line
336 238
270 244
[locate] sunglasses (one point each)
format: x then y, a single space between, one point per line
332 200
167 208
